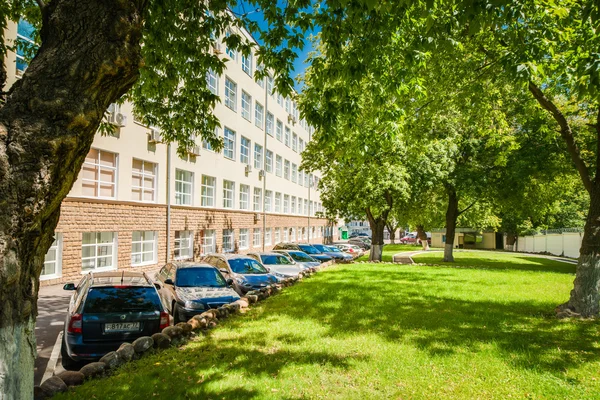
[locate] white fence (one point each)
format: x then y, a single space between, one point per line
560 244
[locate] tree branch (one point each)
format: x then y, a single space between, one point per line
466 209
41 4
565 132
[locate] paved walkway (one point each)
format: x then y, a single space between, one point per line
406 256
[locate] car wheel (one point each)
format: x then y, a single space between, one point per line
67 362
175 311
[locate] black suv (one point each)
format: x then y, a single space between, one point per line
189 288
247 273
305 247
106 310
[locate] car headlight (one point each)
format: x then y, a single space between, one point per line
194 305
277 274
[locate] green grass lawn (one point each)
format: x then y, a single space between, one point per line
379 331
390 249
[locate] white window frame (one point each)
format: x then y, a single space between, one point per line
286 203
269 161
230 94
293 207
279 130
185 241
268 200
256 237
286 169
295 142
212 81
229 143
257 199
228 194
277 237
278 165
259 112
258 156
143 176
243 241
286 137
245 150
246 106
286 236
270 124
182 195
267 236
98 249
294 173
56 247
228 233
244 197
247 64
277 202
98 170
144 240
209 241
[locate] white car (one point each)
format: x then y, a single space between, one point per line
351 249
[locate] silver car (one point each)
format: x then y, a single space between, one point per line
351 249
301 258
278 264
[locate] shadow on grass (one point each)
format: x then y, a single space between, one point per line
515 262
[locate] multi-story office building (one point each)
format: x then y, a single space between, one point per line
136 204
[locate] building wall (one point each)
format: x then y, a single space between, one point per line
560 244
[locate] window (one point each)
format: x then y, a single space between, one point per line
287 105
230 94
229 51
258 156
293 210
295 142
294 173
286 140
208 191
278 162
53 260
246 105
269 161
228 241
305 207
270 123
184 245
301 145
229 143
99 174
244 194
286 170
244 150
183 187
280 100
243 238
143 247
277 235
256 237
98 251
268 200
247 64
279 130
212 80
24 41
300 177
206 144
286 235
257 199
286 203
267 236
259 111
270 85
277 202
143 181
209 241
292 234
228 194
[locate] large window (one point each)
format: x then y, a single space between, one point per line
228 241
243 241
256 237
301 145
212 80
143 247
258 156
286 170
293 210
257 199
300 177
270 123
143 181
244 197
206 144
259 111
287 105
229 51
209 241
305 207
24 41
268 200
208 191
184 184
228 194
286 234
278 165
99 174
294 173
53 260
277 202
295 142
277 235
286 139
230 94
246 106
229 143
98 251
267 236
269 161
184 245
270 85
247 64
244 150
279 130
286 203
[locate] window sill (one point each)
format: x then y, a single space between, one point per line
98 270
144 264
48 277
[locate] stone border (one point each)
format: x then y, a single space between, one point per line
171 336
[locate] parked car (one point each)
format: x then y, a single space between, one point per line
359 234
247 273
351 249
188 288
106 310
306 248
278 264
334 253
412 238
301 258
363 243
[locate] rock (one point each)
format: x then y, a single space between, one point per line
185 327
126 352
234 307
223 313
173 331
93 369
209 314
53 385
253 293
39 394
141 344
252 298
72 378
161 341
111 360
212 324
243 302
194 323
203 321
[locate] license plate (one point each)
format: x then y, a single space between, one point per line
122 327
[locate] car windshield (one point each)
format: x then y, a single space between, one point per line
334 249
121 299
275 259
246 266
195 277
300 256
309 249
321 248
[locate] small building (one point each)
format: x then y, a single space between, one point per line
468 238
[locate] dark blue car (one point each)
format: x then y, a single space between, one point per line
305 247
247 273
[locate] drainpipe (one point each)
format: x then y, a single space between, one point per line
168 255
264 168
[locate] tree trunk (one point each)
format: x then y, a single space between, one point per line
89 57
451 217
585 297
377 228
422 235
392 231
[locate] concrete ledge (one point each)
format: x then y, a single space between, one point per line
402 258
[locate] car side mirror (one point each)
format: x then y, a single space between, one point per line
268 269
223 270
157 286
229 282
69 286
169 281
